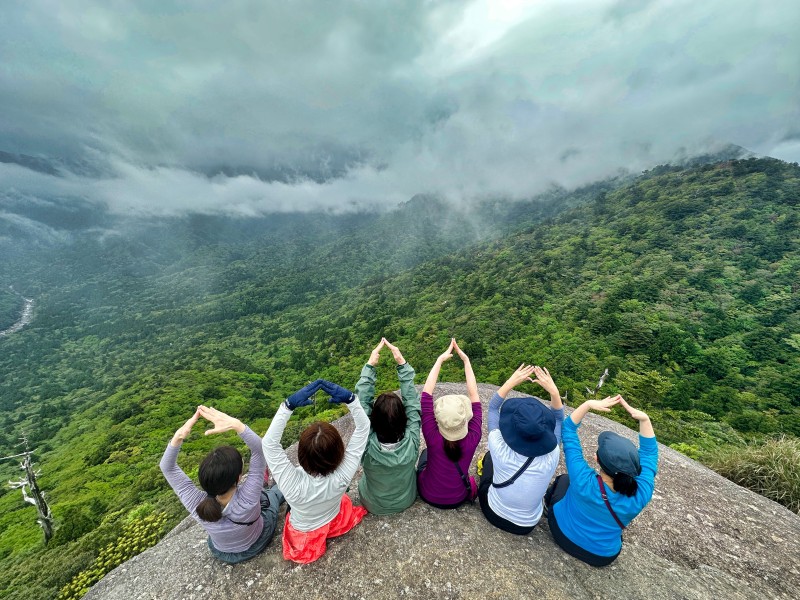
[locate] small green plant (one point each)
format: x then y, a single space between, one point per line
689 450
136 537
771 469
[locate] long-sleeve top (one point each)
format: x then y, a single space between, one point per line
244 506
440 482
520 502
389 482
582 514
314 499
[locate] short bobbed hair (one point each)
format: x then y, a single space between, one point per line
320 449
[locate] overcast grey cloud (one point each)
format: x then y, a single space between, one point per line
248 107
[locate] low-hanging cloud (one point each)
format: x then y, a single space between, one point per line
246 108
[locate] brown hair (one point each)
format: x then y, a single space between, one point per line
452 449
218 473
388 418
320 449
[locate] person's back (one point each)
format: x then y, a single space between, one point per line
583 515
315 490
589 510
452 430
239 517
523 453
389 482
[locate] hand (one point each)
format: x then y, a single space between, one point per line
544 379
461 354
375 356
447 354
302 397
522 374
183 432
338 393
398 356
637 414
605 404
221 421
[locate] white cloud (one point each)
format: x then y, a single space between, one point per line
344 105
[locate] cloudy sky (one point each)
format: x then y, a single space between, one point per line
247 107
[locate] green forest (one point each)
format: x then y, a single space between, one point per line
683 282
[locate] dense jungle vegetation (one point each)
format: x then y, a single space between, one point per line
682 282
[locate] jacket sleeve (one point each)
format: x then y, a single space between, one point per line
411 402
648 459
286 476
558 413
250 491
494 412
577 467
474 427
355 447
187 492
365 388
429 427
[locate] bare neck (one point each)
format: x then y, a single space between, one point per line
607 479
223 499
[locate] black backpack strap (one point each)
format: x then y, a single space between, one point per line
514 477
240 523
465 481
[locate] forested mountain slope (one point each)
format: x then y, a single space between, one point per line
683 283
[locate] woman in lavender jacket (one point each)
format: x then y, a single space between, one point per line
240 519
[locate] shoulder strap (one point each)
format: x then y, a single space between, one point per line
240 523
608 504
514 477
465 481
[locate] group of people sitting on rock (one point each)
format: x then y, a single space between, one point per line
587 510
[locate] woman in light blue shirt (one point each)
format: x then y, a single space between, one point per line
589 510
523 453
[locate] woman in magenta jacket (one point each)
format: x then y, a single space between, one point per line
451 426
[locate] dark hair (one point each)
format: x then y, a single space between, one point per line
452 450
320 449
218 473
625 484
388 418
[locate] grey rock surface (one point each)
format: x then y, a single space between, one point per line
701 537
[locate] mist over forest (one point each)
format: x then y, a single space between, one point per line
217 204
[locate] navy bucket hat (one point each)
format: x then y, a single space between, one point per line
527 426
617 454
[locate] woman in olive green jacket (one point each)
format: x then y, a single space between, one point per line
389 482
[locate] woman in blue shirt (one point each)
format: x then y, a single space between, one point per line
589 510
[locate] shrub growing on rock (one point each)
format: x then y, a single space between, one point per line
771 469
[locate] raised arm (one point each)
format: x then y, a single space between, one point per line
408 393
187 492
472 384
523 373
250 490
603 405
645 426
544 380
358 441
433 376
282 468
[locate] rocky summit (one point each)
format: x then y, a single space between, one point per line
702 536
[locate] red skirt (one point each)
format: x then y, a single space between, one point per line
307 546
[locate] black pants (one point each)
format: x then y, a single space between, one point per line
423 462
556 492
483 498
